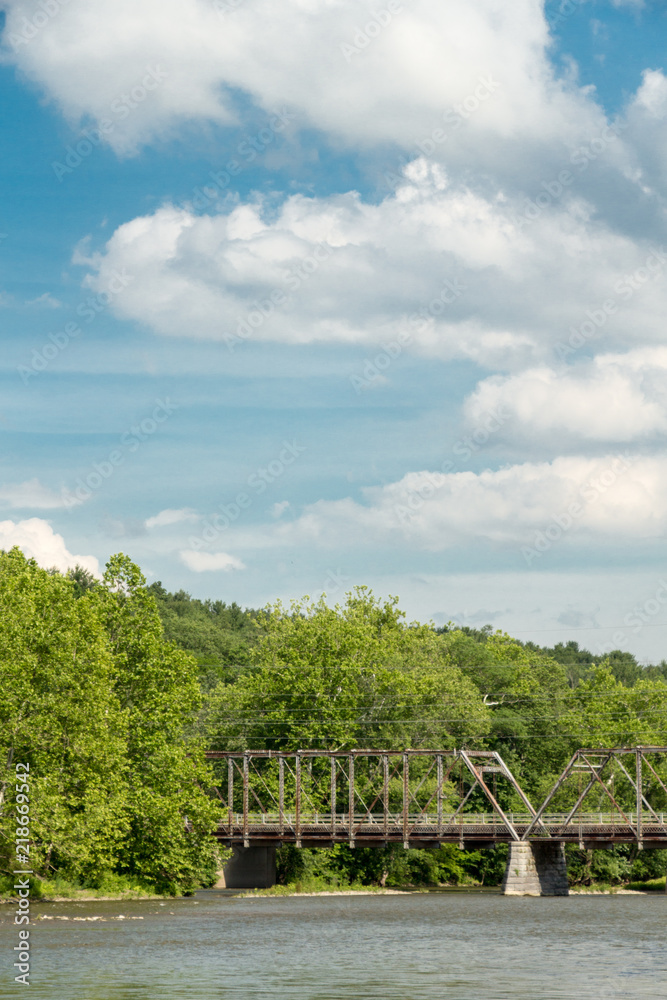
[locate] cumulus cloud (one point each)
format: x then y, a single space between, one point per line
605 499
450 272
651 96
37 540
31 493
206 562
364 76
615 397
645 116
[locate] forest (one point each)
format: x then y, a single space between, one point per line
113 689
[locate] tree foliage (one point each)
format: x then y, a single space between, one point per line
356 675
219 635
96 702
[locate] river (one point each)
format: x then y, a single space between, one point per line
426 946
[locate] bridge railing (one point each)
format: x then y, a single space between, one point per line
343 820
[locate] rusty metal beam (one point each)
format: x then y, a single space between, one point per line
385 795
439 793
557 785
297 817
489 794
333 797
638 789
246 841
588 787
230 793
350 800
406 798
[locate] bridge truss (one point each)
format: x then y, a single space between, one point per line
628 790
316 798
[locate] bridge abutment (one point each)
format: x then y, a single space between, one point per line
535 870
249 868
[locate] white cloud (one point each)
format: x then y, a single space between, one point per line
169 516
451 272
37 540
31 493
646 134
203 562
45 301
319 58
616 496
652 94
615 397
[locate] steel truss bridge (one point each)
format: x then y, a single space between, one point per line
424 798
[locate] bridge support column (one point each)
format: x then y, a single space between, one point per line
535 870
249 868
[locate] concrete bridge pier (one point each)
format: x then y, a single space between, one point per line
249 868
535 870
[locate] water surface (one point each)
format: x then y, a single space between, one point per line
458 946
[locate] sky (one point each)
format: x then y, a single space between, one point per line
306 295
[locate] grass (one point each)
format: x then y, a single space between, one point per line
109 887
653 885
596 887
310 885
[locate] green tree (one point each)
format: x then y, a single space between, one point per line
350 676
156 685
219 635
96 702
59 715
603 712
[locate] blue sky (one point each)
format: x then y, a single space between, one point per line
338 293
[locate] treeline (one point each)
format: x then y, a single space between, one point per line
360 675
112 690
222 637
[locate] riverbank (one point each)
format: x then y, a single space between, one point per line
64 893
286 890
59 890
628 888
88 896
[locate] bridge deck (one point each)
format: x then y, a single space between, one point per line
320 828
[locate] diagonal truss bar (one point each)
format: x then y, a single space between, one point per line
637 788
596 777
254 793
489 794
560 781
594 771
517 787
655 773
463 802
386 778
